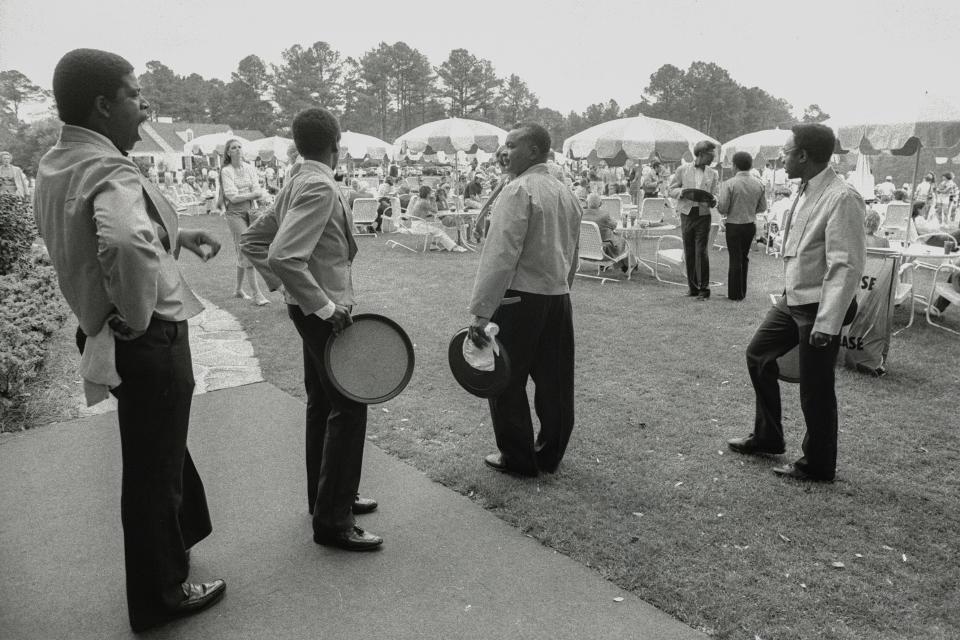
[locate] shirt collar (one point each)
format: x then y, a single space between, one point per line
819 179
319 166
540 167
72 133
745 173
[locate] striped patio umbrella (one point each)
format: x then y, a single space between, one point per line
449 136
763 146
933 124
357 146
636 138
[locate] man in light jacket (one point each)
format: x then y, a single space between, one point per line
823 257
530 253
114 241
306 244
695 216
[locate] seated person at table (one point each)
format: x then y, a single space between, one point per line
471 193
582 190
386 189
920 222
781 205
426 209
613 245
404 196
940 304
871 223
441 197
358 190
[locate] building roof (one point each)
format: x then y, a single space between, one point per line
169 137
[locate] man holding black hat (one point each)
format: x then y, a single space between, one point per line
530 253
695 216
305 242
824 251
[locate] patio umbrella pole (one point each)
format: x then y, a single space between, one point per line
916 170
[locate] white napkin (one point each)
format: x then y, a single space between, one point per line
98 366
482 359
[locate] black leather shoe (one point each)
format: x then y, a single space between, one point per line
793 471
692 293
199 596
496 461
749 446
352 539
363 505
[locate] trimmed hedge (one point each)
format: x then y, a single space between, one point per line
17 231
31 307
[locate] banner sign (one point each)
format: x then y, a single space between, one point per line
865 342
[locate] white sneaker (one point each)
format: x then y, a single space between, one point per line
458 249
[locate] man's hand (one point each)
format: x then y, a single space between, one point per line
476 332
714 202
121 330
340 319
819 340
478 229
200 243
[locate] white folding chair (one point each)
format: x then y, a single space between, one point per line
943 289
654 210
365 215
612 206
625 199
896 222
672 258
591 251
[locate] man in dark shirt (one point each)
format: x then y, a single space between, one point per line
471 194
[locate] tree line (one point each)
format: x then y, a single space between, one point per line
393 88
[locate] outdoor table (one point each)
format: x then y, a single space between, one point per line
926 255
634 236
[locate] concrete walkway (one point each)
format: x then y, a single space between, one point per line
222 357
448 569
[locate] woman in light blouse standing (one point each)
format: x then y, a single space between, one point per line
241 188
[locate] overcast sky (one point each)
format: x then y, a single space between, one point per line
858 60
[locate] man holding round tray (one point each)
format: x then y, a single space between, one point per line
306 244
696 186
531 254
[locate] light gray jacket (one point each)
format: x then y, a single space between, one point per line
824 249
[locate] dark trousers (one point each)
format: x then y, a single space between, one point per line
782 329
695 230
739 241
336 429
163 507
537 333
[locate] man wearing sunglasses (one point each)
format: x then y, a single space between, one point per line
823 257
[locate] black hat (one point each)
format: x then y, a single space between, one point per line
484 384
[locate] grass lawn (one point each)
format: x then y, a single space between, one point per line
648 494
